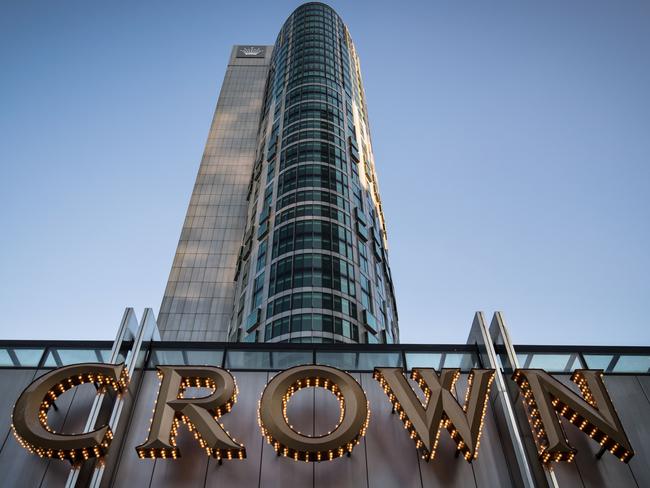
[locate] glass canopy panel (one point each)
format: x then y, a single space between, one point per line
21 357
288 359
619 363
248 359
5 358
57 357
550 362
463 360
423 360
632 364
438 360
598 361
359 361
341 360
197 357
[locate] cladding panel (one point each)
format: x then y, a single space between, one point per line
199 296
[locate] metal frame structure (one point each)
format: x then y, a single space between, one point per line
138 345
53 347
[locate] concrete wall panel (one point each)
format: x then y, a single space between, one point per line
281 472
346 471
131 470
242 425
608 471
392 458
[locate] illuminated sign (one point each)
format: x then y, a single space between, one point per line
182 402
441 409
200 415
29 419
353 418
546 398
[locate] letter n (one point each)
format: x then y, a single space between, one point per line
546 398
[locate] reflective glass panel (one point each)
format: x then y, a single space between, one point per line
439 360
341 360
248 360
614 363
362 361
423 360
20 357
370 361
632 364
598 361
5 359
288 359
462 360
57 357
561 362
200 357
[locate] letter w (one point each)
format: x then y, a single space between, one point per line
441 409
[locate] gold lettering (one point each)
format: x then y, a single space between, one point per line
546 398
200 415
441 409
353 422
29 419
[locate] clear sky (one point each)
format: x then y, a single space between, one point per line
512 142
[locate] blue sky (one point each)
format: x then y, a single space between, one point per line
512 141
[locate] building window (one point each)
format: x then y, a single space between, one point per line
313 299
312 234
257 291
317 270
365 293
311 322
363 257
261 255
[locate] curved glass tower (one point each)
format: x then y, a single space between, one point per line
313 266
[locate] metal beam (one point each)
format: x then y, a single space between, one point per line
90 473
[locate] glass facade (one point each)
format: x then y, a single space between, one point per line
315 233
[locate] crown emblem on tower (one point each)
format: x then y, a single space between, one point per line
251 51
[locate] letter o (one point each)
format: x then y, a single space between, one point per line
286 441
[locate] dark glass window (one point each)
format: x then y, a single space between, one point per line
311 299
365 292
312 234
315 196
261 255
311 322
316 270
312 152
363 257
319 126
313 210
257 290
312 175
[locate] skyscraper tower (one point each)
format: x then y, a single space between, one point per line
285 239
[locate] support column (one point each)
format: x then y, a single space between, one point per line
132 339
500 403
500 340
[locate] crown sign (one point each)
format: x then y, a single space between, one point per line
251 51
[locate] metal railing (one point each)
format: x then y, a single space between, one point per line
352 357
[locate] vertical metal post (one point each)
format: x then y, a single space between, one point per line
138 333
499 335
480 336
